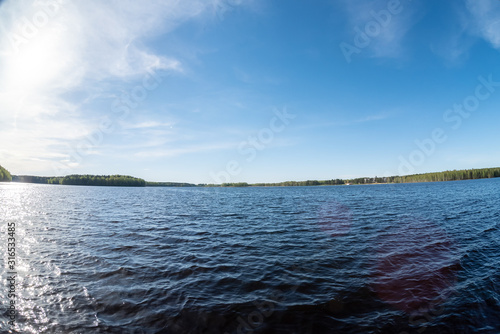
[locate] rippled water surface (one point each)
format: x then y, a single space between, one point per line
407 258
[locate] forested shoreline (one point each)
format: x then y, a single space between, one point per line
454 175
5 175
84 180
103 180
169 184
130 181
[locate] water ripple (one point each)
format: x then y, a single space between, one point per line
361 259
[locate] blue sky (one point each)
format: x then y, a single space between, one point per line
231 90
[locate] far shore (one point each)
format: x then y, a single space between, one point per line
130 181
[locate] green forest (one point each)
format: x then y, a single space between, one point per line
36 179
332 182
129 181
103 180
84 180
169 184
454 175
5 175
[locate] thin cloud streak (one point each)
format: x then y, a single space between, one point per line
366 119
147 125
186 150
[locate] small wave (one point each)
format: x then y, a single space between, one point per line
492 228
120 272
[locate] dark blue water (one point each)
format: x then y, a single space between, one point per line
407 258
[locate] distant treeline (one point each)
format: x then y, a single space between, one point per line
103 180
454 175
124 180
5 175
302 183
36 179
169 184
83 180
279 184
238 184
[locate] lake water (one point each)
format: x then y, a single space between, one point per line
404 258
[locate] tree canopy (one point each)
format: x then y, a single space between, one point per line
103 180
125 180
35 179
169 184
5 175
453 175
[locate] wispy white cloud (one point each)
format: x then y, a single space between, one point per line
171 152
52 49
452 42
470 21
486 20
183 149
370 118
365 119
387 43
147 125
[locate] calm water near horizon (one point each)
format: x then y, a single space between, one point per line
402 258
